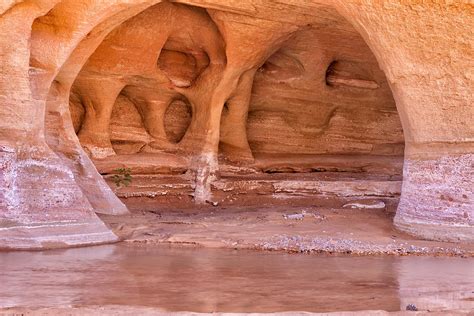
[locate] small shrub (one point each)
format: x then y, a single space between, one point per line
123 177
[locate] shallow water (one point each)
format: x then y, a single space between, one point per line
206 280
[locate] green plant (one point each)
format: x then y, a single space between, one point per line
123 177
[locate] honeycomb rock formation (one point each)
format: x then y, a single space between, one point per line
205 81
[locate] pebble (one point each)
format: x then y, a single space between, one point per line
411 307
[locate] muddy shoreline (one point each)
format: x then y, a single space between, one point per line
327 229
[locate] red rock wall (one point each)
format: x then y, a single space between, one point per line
322 88
297 107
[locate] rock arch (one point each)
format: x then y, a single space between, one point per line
434 109
426 68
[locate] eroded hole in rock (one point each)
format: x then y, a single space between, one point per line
349 74
303 120
177 118
282 67
225 109
310 105
127 131
182 68
76 109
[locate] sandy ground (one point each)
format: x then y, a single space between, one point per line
293 204
289 205
326 228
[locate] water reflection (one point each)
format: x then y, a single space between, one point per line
206 280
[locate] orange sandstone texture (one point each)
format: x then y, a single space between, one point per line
82 81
